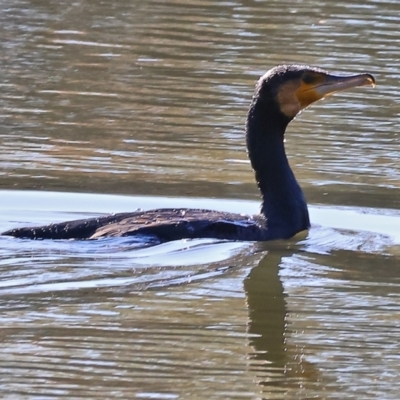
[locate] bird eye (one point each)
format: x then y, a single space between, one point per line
308 78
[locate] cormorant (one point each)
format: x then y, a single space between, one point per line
280 94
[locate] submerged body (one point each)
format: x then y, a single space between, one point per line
279 96
163 224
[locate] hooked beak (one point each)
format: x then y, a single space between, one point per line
325 85
333 84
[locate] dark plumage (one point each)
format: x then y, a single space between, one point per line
279 96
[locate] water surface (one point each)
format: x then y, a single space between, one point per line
148 100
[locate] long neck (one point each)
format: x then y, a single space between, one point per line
283 202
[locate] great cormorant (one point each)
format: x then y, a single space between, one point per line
279 96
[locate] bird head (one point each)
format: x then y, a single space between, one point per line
295 87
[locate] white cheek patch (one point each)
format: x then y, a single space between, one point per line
287 100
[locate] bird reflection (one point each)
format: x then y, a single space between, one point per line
276 362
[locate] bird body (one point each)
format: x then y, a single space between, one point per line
279 96
163 224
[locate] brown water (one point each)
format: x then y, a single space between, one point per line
148 100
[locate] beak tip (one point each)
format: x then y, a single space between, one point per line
370 80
